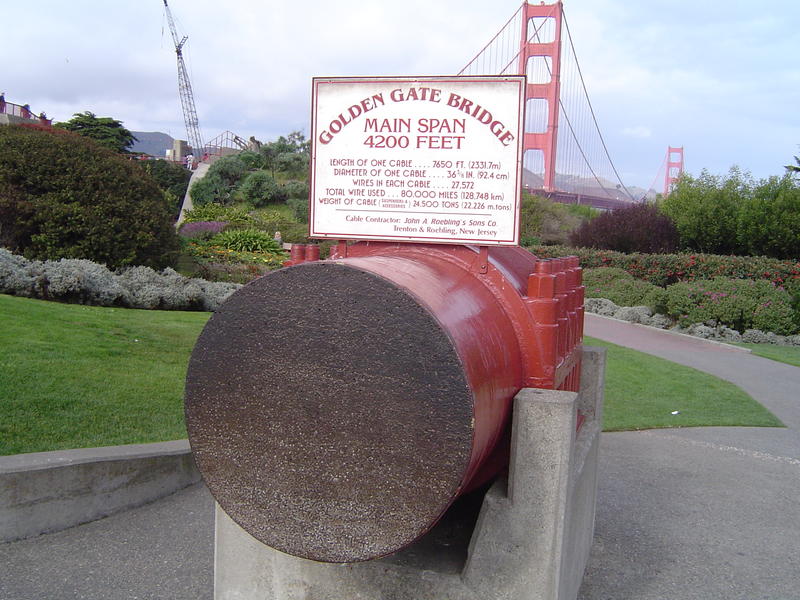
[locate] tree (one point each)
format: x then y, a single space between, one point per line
279 154
769 222
706 210
105 130
63 196
794 168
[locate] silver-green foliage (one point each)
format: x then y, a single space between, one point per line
85 282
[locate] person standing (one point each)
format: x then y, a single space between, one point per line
190 161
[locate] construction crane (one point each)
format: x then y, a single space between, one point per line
195 139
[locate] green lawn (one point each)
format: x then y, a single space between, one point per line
785 354
81 376
642 392
76 376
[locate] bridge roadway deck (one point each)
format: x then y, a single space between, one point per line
705 513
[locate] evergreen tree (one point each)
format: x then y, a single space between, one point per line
105 130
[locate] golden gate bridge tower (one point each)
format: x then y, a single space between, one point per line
532 48
564 154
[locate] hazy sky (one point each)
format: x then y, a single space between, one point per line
719 77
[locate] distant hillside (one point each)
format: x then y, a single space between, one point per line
154 143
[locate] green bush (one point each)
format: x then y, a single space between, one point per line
299 208
293 164
64 196
234 272
666 269
229 169
735 214
736 303
245 240
296 189
252 160
259 189
621 288
209 190
705 210
217 212
603 276
172 178
545 220
769 221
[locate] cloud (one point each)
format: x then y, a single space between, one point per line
640 131
702 74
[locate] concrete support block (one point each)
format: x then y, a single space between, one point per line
49 491
531 540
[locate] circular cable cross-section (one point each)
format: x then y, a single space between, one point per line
329 413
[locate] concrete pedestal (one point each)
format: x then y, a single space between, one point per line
527 538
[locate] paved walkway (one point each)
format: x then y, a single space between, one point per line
701 513
197 175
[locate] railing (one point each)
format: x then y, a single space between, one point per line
226 143
23 112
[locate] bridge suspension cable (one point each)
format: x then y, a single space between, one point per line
583 162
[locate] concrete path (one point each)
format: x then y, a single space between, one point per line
705 514
163 550
700 513
197 175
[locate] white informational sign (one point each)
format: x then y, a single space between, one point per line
424 159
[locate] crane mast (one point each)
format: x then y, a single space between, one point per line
185 89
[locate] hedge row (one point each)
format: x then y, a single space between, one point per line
666 269
739 304
81 281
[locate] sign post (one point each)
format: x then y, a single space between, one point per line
422 159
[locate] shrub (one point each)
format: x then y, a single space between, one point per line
736 215
599 277
86 282
208 190
233 272
546 220
635 228
705 210
296 189
218 212
735 303
228 169
299 208
63 196
665 269
292 163
251 160
245 240
769 221
259 189
621 288
171 178
202 229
